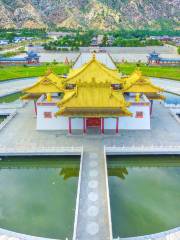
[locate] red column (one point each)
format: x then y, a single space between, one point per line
84 125
70 128
117 125
35 107
102 125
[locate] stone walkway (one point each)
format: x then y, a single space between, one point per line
102 57
13 86
169 85
93 220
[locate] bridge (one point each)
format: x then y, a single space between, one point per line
93 217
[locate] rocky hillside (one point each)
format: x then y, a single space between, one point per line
102 14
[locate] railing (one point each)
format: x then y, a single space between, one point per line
143 149
38 150
9 235
167 235
7 120
78 197
108 195
171 105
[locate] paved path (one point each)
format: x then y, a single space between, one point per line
93 219
169 85
102 57
12 86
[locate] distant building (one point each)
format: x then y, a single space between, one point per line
31 58
56 35
4 42
110 40
155 59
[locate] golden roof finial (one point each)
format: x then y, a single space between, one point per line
49 71
94 56
138 71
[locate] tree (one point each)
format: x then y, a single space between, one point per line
179 50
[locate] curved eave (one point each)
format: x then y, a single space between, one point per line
30 96
93 112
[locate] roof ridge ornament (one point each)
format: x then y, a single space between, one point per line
94 56
49 71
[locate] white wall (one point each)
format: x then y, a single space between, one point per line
76 123
110 123
136 123
54 123
61 123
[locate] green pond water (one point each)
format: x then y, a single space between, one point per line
2 118
144 194
38 196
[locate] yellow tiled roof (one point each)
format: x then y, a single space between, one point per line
50 83
93 97
94 70
140 84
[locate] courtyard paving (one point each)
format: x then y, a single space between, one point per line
21 132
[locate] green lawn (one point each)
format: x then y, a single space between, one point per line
12 72
154 71
10 98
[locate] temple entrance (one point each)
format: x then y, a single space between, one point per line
93 125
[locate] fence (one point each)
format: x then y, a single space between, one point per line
135 150
35 150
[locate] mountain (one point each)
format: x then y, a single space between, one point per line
101 14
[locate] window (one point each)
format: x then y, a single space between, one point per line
139 114
116 86
47 114
70 86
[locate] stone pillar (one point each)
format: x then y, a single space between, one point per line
102 125
35 107
84 125
70 127
117 125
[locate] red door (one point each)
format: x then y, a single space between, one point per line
93 122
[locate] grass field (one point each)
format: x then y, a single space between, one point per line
154 71
12 72
10 98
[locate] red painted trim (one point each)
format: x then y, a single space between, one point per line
84 125
117 125
46 104
70 127
139 104
102 125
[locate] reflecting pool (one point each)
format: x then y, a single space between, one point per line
172 98
144 194
2 118
38 195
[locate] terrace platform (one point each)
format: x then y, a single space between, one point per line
21 133
92 221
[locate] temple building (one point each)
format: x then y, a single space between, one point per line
155 59
93 97
32 58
